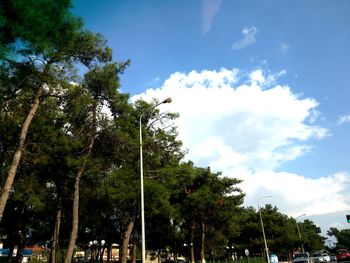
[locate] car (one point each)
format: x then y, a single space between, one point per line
317 257
342 255
333 257
326 257
26 259
320 256
303 257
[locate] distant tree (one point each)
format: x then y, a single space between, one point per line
249 236
280 231
313 241
342 236
208 204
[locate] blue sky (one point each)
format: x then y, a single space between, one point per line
277 73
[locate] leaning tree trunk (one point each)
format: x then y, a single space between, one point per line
5 191
203 243
75 219
126 239
54 243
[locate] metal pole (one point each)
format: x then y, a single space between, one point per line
262 227
143 245
302 245
143 237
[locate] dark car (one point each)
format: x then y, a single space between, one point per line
342 255
333 257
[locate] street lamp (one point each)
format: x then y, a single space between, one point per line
262 227
143 246
230 252
302 245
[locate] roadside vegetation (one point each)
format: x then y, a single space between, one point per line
69 152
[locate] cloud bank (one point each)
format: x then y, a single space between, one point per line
248 38
246 125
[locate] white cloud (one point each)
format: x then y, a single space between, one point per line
343 119
248 38
284 47
257 76
246 125
153 82
337 225
296 194
209 11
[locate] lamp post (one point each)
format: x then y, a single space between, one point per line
230 252
262 227
143 246
302 246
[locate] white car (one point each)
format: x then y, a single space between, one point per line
319 257
327 258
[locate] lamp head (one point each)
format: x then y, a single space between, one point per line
301 216
168 100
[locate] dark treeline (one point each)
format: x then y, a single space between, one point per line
70 171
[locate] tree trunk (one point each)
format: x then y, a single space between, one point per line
134 248
75 219
102 253
203 243
9 256
21 235
54 244
5 191
19 255
125 240
159 256
75 215
109 251
75 223
192 244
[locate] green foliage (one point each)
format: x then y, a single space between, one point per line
35 23
47 30
203 197
342 236
312 240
